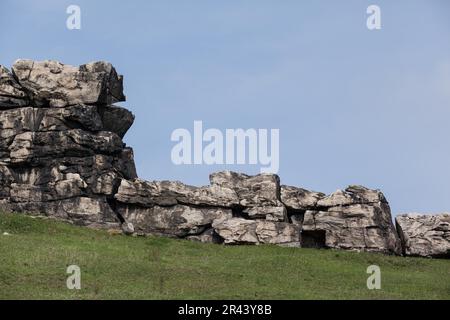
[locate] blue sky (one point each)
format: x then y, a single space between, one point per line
353 106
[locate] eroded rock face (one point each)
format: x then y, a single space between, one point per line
356 218
12 95
425 235
243 231
176 221
168 193
259 196
61 152
51 83
62 155
298 199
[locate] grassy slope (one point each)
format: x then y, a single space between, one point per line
33 261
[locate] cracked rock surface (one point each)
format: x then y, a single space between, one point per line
425 235
61 148
62 155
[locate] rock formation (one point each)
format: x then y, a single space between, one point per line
425 235
61 149
62 155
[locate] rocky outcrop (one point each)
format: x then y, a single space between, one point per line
53 84
61 148
62 155
356 218
425 235
257 210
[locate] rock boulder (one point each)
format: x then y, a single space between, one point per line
425 235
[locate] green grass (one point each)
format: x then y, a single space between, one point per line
34 258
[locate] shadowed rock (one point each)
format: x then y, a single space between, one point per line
12 95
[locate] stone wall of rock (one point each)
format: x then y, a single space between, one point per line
62 155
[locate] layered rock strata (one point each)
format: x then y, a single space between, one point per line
62 155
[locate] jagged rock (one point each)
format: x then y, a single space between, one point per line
425 235
352 195
51 83
62 155
61 152
259 196
355 219
12 94
177 220
169 193
259 190
78 116
299 199
116 119
242 231
36 147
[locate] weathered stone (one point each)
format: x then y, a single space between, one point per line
358 219
85 211
352 195
269 213
35 147
116 119
259 190
77 116
62 155
54 84
299 199
177 220
425 235
242 231
169 193
259 196
12 94
236 230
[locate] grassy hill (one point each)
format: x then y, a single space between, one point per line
35 255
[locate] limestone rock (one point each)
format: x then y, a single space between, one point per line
51 83
168 193
177 220
84 211
299 199
355 219
61 152
242 231
259 196
12 94
62 155
425 235
352 195
35 147
116 119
